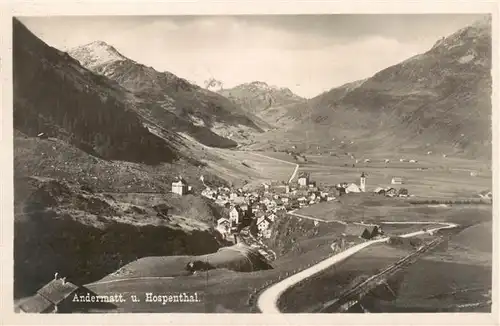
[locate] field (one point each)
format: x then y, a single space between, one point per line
298 243
375 208
458 272
430 177
432 181
328 284
241 167
237 287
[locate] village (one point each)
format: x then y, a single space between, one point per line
258 209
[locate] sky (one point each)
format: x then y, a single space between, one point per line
309 54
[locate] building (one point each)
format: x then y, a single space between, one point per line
366 232
362 182
391 192
263 225
234 215
180 186
303 179
352 188
397 181
271 217
486 194
239 200
209 193
403 192
57 297
224 227
42 135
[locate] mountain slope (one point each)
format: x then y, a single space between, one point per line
65 219
438 100
55 95
170 101
267 102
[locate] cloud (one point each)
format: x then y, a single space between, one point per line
315 52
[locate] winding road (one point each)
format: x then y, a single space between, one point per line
268 300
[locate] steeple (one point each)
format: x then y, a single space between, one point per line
362 182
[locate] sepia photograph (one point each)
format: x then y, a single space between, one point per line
259 164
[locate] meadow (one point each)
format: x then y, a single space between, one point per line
430 177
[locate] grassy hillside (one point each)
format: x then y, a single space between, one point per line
96 143
57 159
84 235
436 101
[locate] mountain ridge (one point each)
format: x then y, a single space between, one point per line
172 101
53 94
439 100
266 101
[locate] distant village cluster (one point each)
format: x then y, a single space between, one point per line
345 188
261 207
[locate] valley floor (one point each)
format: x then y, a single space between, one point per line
300 242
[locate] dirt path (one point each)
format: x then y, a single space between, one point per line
132 279
268 300
315 218
282 161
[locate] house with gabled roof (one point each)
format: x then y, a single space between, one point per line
397 180
303 179
224 227
366 232
352 188
235 215
57 296
180 186
263 225
486 194
391 192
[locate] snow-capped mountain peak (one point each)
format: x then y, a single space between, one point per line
97 53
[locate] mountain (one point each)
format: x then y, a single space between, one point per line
53 94
437 101
267 102
169 101
92 143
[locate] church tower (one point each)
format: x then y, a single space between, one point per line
362 182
